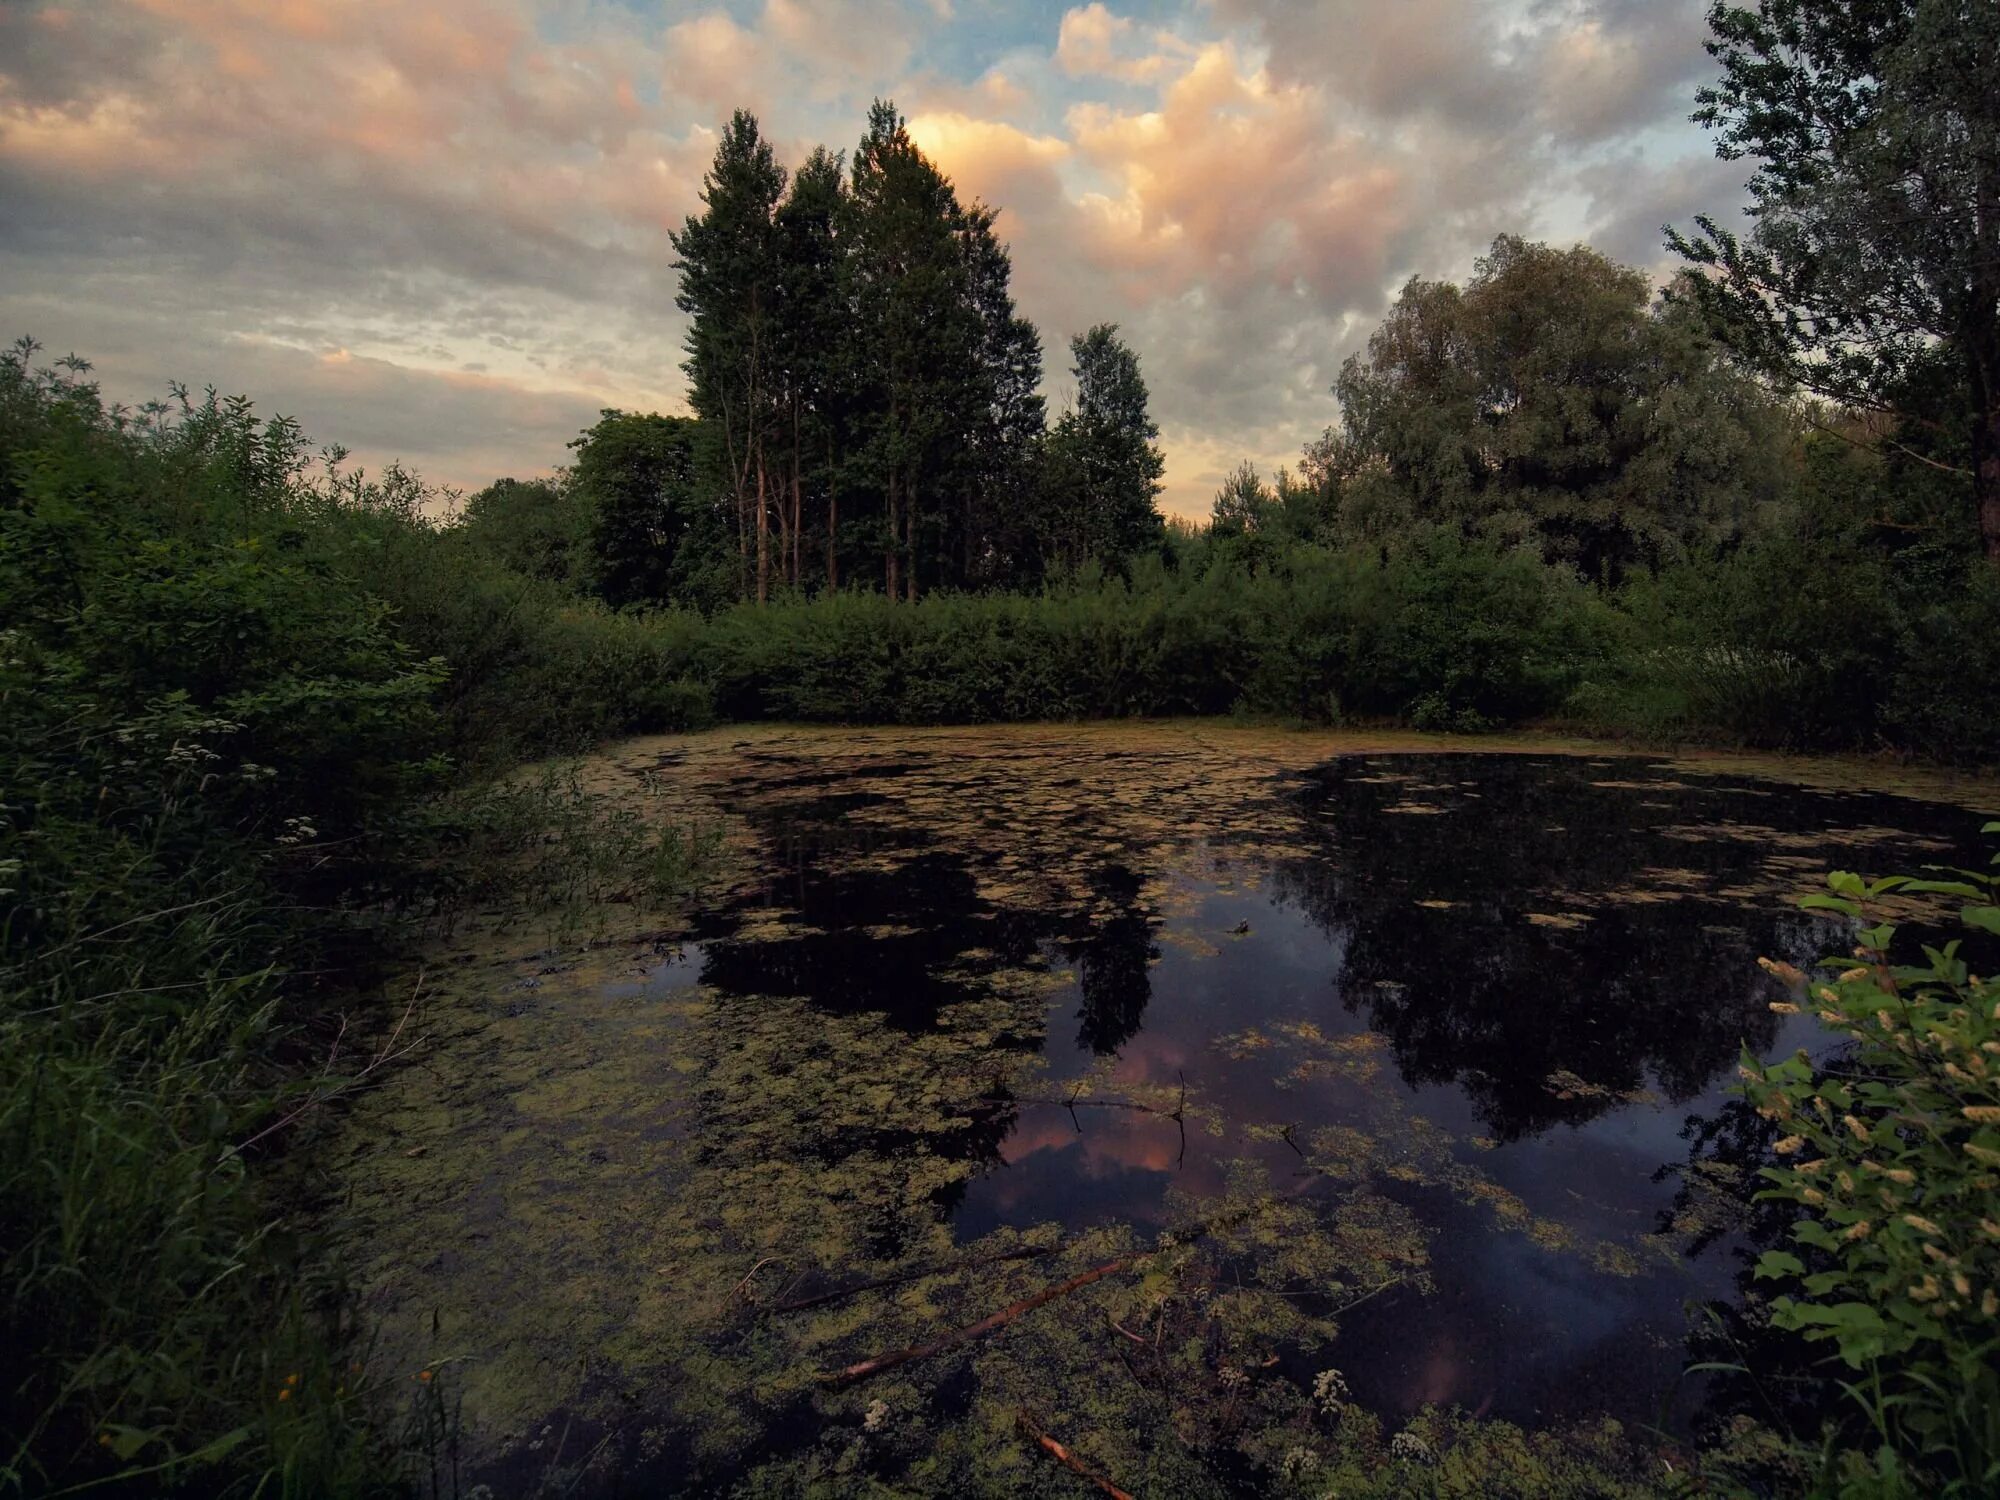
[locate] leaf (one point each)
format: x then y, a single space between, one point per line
1985 918
1847 883
1948 888
1776 1265
1830 903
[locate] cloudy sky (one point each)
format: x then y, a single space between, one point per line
437 231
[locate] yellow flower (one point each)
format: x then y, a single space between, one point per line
1784 1007
1855 1127
1790 1145
1858 972
424 1375
285 1393
1922 1225
1982 1114
1858 1230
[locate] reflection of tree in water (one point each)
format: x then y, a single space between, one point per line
1112 965
1749 1365
1654 994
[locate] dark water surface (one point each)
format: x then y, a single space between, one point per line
1519 982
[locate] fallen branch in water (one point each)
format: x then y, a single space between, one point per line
985 1325
839 1294
1067 1459
881 1362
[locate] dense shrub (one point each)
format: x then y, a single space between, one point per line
1891 1156
1471 636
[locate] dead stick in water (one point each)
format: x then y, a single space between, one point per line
1027 1252
1067 1459
867 1367
985 1325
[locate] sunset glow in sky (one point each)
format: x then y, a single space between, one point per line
437 231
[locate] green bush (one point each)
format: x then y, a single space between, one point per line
1892 1153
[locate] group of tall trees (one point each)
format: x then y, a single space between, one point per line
870 396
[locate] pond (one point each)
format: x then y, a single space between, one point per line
1390 1081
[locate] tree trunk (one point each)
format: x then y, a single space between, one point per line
895 541
832 524
798 506
763 535
910 548
1986 470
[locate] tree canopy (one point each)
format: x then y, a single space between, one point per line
1874 253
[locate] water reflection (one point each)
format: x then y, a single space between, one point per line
1507 989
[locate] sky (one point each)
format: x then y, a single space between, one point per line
437 232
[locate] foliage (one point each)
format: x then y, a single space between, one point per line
221 763
1545 402
1875 131
1892 1152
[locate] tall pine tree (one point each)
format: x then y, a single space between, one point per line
729 268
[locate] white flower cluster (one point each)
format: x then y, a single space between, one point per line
1330 1392
298 831
876 1417
1411 1448
1298 1462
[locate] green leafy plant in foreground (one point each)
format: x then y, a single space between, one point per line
1892 1149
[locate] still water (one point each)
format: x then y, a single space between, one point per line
1449 1036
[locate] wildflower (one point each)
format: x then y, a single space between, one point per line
876 1417
1982 1114
285 1393
1408 1446
1330 1391
1781 970
1850 975
1790 1145
424 1376
1926 1290
1826 993
1855 1128
1784 1007
293 1378
1922 1225
1813 1196
1298 1462
1960 1284
1858 1230
1902 1176
1886 1021
1988 1228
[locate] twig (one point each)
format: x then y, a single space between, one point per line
324 1090
951 1340
985 1325
838 1294
1135 1338
747 1279
1067 1459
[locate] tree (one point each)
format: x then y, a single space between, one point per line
1006 419
729 274
1548 402
639 475
540 527
1101 467
1875 128
917 334
815 340
1243 505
